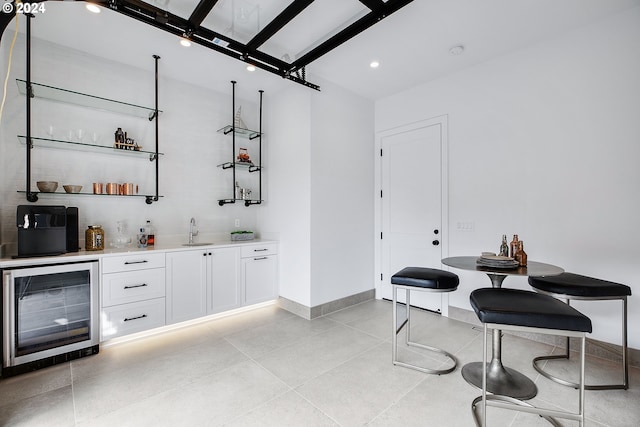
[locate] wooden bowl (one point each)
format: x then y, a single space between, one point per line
72 188
47 186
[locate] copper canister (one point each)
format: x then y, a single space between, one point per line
94 238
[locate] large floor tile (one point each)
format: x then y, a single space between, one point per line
290 409
210 401
25 386
52 408
312 356
359 389
255 342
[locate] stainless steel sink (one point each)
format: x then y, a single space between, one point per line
197 244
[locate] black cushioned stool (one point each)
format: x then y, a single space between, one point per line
419 279
517 310
570 286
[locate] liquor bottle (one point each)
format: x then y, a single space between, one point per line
521 255
151 236
504 247
513 247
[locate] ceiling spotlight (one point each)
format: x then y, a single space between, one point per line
374 64
184 42
251 67
456 50
92 8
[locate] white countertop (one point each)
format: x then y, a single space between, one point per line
83 255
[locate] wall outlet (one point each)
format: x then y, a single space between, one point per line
236 223
465 226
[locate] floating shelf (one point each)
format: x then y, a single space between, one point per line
64 193
85 100
241 132
83 146
241 165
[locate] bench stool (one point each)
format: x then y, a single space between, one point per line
527 311
570 286
419 279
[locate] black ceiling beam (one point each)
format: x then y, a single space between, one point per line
286 16
201 11
181 27
373 4
348 33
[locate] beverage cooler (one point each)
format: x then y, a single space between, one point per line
50 315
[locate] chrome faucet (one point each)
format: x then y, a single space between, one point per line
193 230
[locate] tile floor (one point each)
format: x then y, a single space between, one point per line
268 367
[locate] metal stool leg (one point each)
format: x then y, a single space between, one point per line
406 322
625 362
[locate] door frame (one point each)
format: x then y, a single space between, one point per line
443 122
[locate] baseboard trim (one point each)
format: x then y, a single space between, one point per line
326 308
594 348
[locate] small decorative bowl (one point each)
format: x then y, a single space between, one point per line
47 186
72 188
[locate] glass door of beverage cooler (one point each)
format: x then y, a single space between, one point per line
49 310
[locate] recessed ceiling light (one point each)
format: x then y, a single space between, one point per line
184 42
456 50
374 64
93 8
251 67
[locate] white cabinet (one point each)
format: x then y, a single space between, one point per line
259 272
224 291
186 285
132 294
201 282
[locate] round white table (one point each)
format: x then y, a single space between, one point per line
500 379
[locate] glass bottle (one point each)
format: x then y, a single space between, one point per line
151 237
521 255
142 239
504 247
513 247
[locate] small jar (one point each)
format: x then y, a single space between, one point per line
94 238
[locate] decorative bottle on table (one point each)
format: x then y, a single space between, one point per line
521 255
504 247
513 247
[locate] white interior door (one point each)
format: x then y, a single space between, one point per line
412 205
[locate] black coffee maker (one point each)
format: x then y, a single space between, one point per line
46 230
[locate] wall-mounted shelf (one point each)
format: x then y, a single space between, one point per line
83 146
33 90
241 132
64 193
234 165
66 96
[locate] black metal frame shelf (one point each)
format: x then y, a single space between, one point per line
83 146
233 164
64 193
33 90
67 96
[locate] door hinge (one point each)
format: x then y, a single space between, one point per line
381 234
381 152
380 276
381 194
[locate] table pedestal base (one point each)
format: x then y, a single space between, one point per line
500 380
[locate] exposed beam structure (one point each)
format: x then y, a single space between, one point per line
192 29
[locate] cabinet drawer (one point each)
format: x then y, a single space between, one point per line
130 318
130 262
259 250
132 286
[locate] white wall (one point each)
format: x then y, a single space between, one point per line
544 143
341 194
189 179
320 186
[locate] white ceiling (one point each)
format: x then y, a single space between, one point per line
412 45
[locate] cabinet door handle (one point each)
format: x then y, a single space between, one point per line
258 259
260 250
135 286
128 319
136 262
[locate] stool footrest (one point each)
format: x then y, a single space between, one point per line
511 401
536 364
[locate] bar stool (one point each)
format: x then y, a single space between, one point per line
570 286
419 279
518 310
